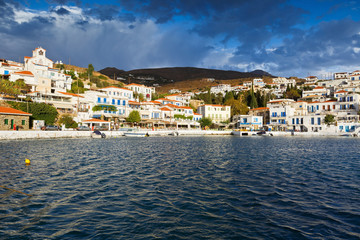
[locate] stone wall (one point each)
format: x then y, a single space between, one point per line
17 120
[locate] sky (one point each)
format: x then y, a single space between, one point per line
283 37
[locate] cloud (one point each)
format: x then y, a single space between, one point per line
83 37
230 34
62 11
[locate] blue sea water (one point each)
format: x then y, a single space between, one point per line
181 188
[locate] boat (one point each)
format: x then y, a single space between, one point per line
174 133
136 134
263 133
98 134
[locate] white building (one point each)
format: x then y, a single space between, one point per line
355 75
341 75
248 122
47 78
221 88
217 113
146 91
258 82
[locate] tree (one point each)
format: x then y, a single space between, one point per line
205 122
77 87
141 97
39 111
253 102
237 106
329 119
90 70
68 121
134 117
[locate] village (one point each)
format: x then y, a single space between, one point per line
325 106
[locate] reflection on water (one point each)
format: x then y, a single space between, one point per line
181 188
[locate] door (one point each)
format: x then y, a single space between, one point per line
12 123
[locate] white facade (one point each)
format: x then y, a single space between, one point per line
217 113
221 88
47 78
341 75
146 91
258 82
248 122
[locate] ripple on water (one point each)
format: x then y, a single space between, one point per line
181 188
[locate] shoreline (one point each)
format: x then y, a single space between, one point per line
38 134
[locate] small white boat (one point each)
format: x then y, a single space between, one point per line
136 134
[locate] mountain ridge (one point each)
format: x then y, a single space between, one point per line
163 76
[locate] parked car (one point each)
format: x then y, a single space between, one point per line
101 128
50 128
83 128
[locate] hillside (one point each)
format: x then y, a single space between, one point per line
95 73
164 76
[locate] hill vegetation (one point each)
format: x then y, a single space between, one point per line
183 78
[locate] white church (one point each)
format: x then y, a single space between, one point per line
40 74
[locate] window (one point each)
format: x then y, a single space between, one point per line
312 121
118 102
319 121
6 121
22 122
293 121
99 100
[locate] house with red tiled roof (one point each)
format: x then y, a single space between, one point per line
11 119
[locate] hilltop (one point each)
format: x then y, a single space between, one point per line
180 77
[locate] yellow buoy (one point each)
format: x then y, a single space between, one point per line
27 161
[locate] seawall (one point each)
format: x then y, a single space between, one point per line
37 134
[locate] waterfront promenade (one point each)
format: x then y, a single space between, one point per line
37 134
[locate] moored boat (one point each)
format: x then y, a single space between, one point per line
136 134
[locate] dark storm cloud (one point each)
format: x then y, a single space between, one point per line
335 43
32 29
64 2
62 11
103 12
7 9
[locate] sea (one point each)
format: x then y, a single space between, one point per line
203 187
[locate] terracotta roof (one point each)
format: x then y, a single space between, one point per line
183 107
171 105
155 102
319 88
27 57
134 103
260 108
341 91
12 111
71 94
135 84
164 99
117 88
165 109
24 73
197 114
95 120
